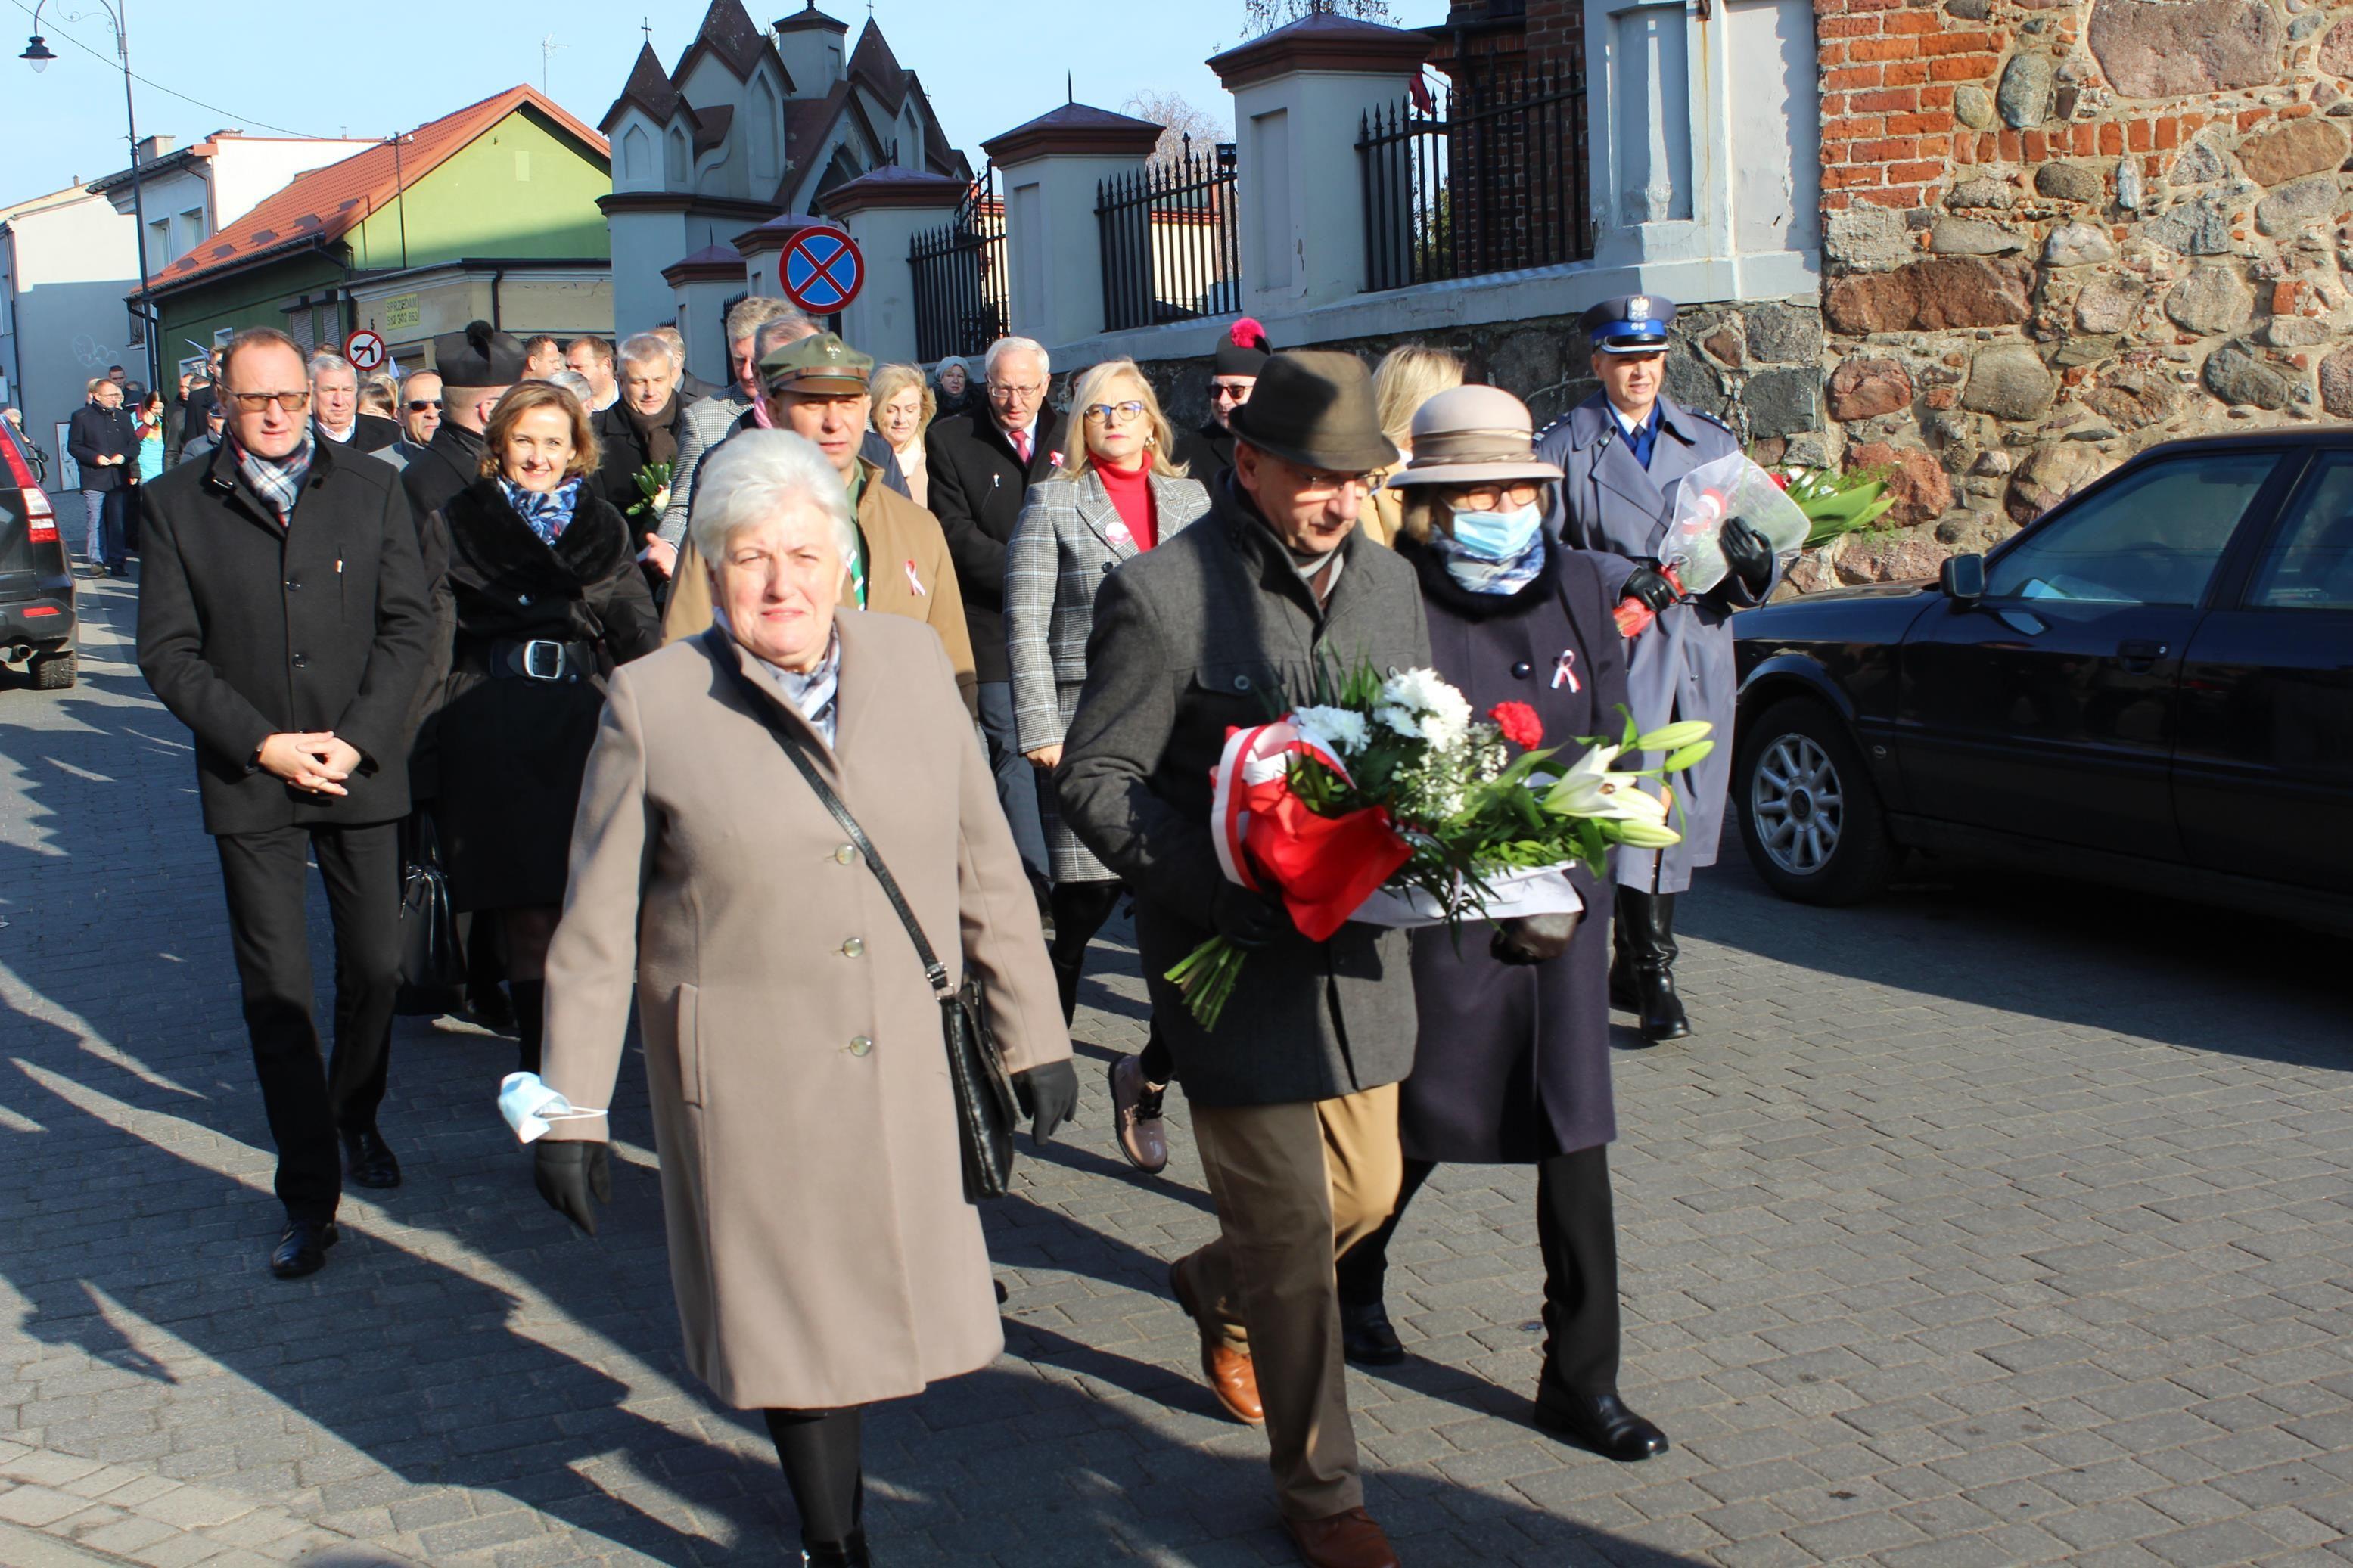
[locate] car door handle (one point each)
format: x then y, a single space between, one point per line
2140 655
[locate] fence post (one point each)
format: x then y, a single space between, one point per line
1301 97
882 211
1051 168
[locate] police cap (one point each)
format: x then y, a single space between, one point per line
1630 324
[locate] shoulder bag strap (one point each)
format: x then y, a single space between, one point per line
723 653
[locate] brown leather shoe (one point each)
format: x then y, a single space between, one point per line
1135 1114
1230 1374
1349 1540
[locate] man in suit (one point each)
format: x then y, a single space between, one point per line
1625 450
284 618
100 440
335 407
983 464
477 367
1294 1093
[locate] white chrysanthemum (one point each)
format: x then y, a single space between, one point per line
1342 729
1404 721
1418 704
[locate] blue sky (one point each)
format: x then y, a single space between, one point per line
412 60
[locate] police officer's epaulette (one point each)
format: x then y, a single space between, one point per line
1712 419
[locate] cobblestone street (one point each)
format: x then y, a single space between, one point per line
1988 1224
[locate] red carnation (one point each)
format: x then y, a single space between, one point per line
1519 724
1779 478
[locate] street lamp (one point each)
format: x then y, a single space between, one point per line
38 54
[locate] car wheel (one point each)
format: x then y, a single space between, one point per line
1809 811
54 672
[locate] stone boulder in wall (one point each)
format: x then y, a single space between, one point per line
2163 48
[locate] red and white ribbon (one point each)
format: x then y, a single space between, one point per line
1253 758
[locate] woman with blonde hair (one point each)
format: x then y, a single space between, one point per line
905 407
1118 493
540 598
1407 376
380 395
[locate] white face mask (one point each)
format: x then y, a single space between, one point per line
1498 535
529 1105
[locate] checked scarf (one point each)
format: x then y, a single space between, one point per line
276 481
549 512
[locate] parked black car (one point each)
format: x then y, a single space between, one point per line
36 584
2151 686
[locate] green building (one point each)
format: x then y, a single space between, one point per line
490 212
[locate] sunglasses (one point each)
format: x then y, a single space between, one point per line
255 402
419 405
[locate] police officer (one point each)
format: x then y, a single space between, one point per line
1623 451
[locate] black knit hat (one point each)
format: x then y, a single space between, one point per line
1313 408
1242 350
481 355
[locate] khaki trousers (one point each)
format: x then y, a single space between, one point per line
1295 1186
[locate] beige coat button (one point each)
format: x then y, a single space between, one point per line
852 948
846 854
860 1044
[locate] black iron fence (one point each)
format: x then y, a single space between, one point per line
1171 247
959 276
1489 178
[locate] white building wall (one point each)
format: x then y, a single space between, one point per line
643 244
249 169
68 267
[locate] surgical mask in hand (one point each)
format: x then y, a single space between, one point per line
529 1105
1498 535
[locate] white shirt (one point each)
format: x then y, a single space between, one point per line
338 437
1627 424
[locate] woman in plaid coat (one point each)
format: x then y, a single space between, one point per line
1118 492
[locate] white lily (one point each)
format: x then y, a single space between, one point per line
1590 788
1672 737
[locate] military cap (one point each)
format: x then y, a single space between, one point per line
822 363
1630 324
481 355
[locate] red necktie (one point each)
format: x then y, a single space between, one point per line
1021 447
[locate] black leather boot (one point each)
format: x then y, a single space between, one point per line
530 1021
850 1553
1646 942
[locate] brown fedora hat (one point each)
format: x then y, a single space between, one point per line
1313 408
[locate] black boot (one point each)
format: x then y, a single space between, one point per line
1646 947
850 1553
530 1021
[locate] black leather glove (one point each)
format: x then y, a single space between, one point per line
1650 588
1048 1093
1532 939
568 1171
1247 920
1749 554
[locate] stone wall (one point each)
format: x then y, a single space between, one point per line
2057 231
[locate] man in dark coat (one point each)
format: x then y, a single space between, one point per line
982 466
477 365
1208 450
1294 1092
639 430
1625 451
101 440
335 407
284 618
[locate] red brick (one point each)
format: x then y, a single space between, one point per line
1863 49
2137 135
1893 196
2168 132
1899 99
1847 79
1914 124
2012 147
1962 68
1936 97
2112 137
1956 44
1938 146
1849 175
1913 22
1927 169
1904 73
1834 200
2086 140
2037 146
1846 27
2251 117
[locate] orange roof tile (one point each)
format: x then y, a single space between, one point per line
328 203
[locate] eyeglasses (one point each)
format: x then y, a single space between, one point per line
1493 497
1220 391
419 405
1126 412
1005 391
1315 486
255 402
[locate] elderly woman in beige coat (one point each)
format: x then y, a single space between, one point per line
820 1243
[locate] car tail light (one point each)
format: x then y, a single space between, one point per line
39 610
40 518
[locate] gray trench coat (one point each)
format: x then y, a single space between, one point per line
820 1245
1067 543
1680 667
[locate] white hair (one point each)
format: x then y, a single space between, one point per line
644 348
749 478
771 335
1004 346
573 382
747 315
323 360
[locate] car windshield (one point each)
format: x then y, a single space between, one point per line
2153 538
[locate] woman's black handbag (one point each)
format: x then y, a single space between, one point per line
432 959
986 1110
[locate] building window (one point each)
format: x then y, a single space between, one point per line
765 131
677 164
637 156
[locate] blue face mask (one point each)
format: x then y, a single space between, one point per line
1498 535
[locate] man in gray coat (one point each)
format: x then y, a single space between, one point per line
1294 1093
1625 451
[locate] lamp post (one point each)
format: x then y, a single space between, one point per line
38 54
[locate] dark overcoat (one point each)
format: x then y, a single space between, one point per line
1213 627
511 749
978 489
622 451
247 629
1514 1059
449 462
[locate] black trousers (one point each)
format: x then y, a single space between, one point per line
308 1100
1576 1231
819 1451
1080 909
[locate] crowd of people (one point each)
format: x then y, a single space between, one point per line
773 715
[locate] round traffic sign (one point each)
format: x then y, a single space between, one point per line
366 350
822 270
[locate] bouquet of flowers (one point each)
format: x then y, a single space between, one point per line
1835 502
1388 801
653 490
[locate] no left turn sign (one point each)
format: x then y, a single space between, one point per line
366 350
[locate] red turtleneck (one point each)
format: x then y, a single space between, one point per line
1131 491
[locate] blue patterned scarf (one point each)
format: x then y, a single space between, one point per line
549 512
1480 576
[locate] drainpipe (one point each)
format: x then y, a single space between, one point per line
498 274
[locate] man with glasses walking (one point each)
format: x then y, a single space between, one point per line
284 618
983 464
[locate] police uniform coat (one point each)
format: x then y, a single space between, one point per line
1067 544
820 1245
1681 667
1212 629
1514 1060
